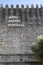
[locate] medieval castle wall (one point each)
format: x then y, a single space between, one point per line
17 40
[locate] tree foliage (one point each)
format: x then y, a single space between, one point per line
37 47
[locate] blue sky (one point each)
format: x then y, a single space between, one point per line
14 2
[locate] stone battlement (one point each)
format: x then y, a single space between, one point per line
23 13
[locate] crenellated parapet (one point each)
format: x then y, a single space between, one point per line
12 10
1 12
17 10
41 7
25 14
6 10
37 9
33 11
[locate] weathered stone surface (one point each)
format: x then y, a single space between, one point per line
17 40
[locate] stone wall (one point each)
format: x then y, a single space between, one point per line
15 42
